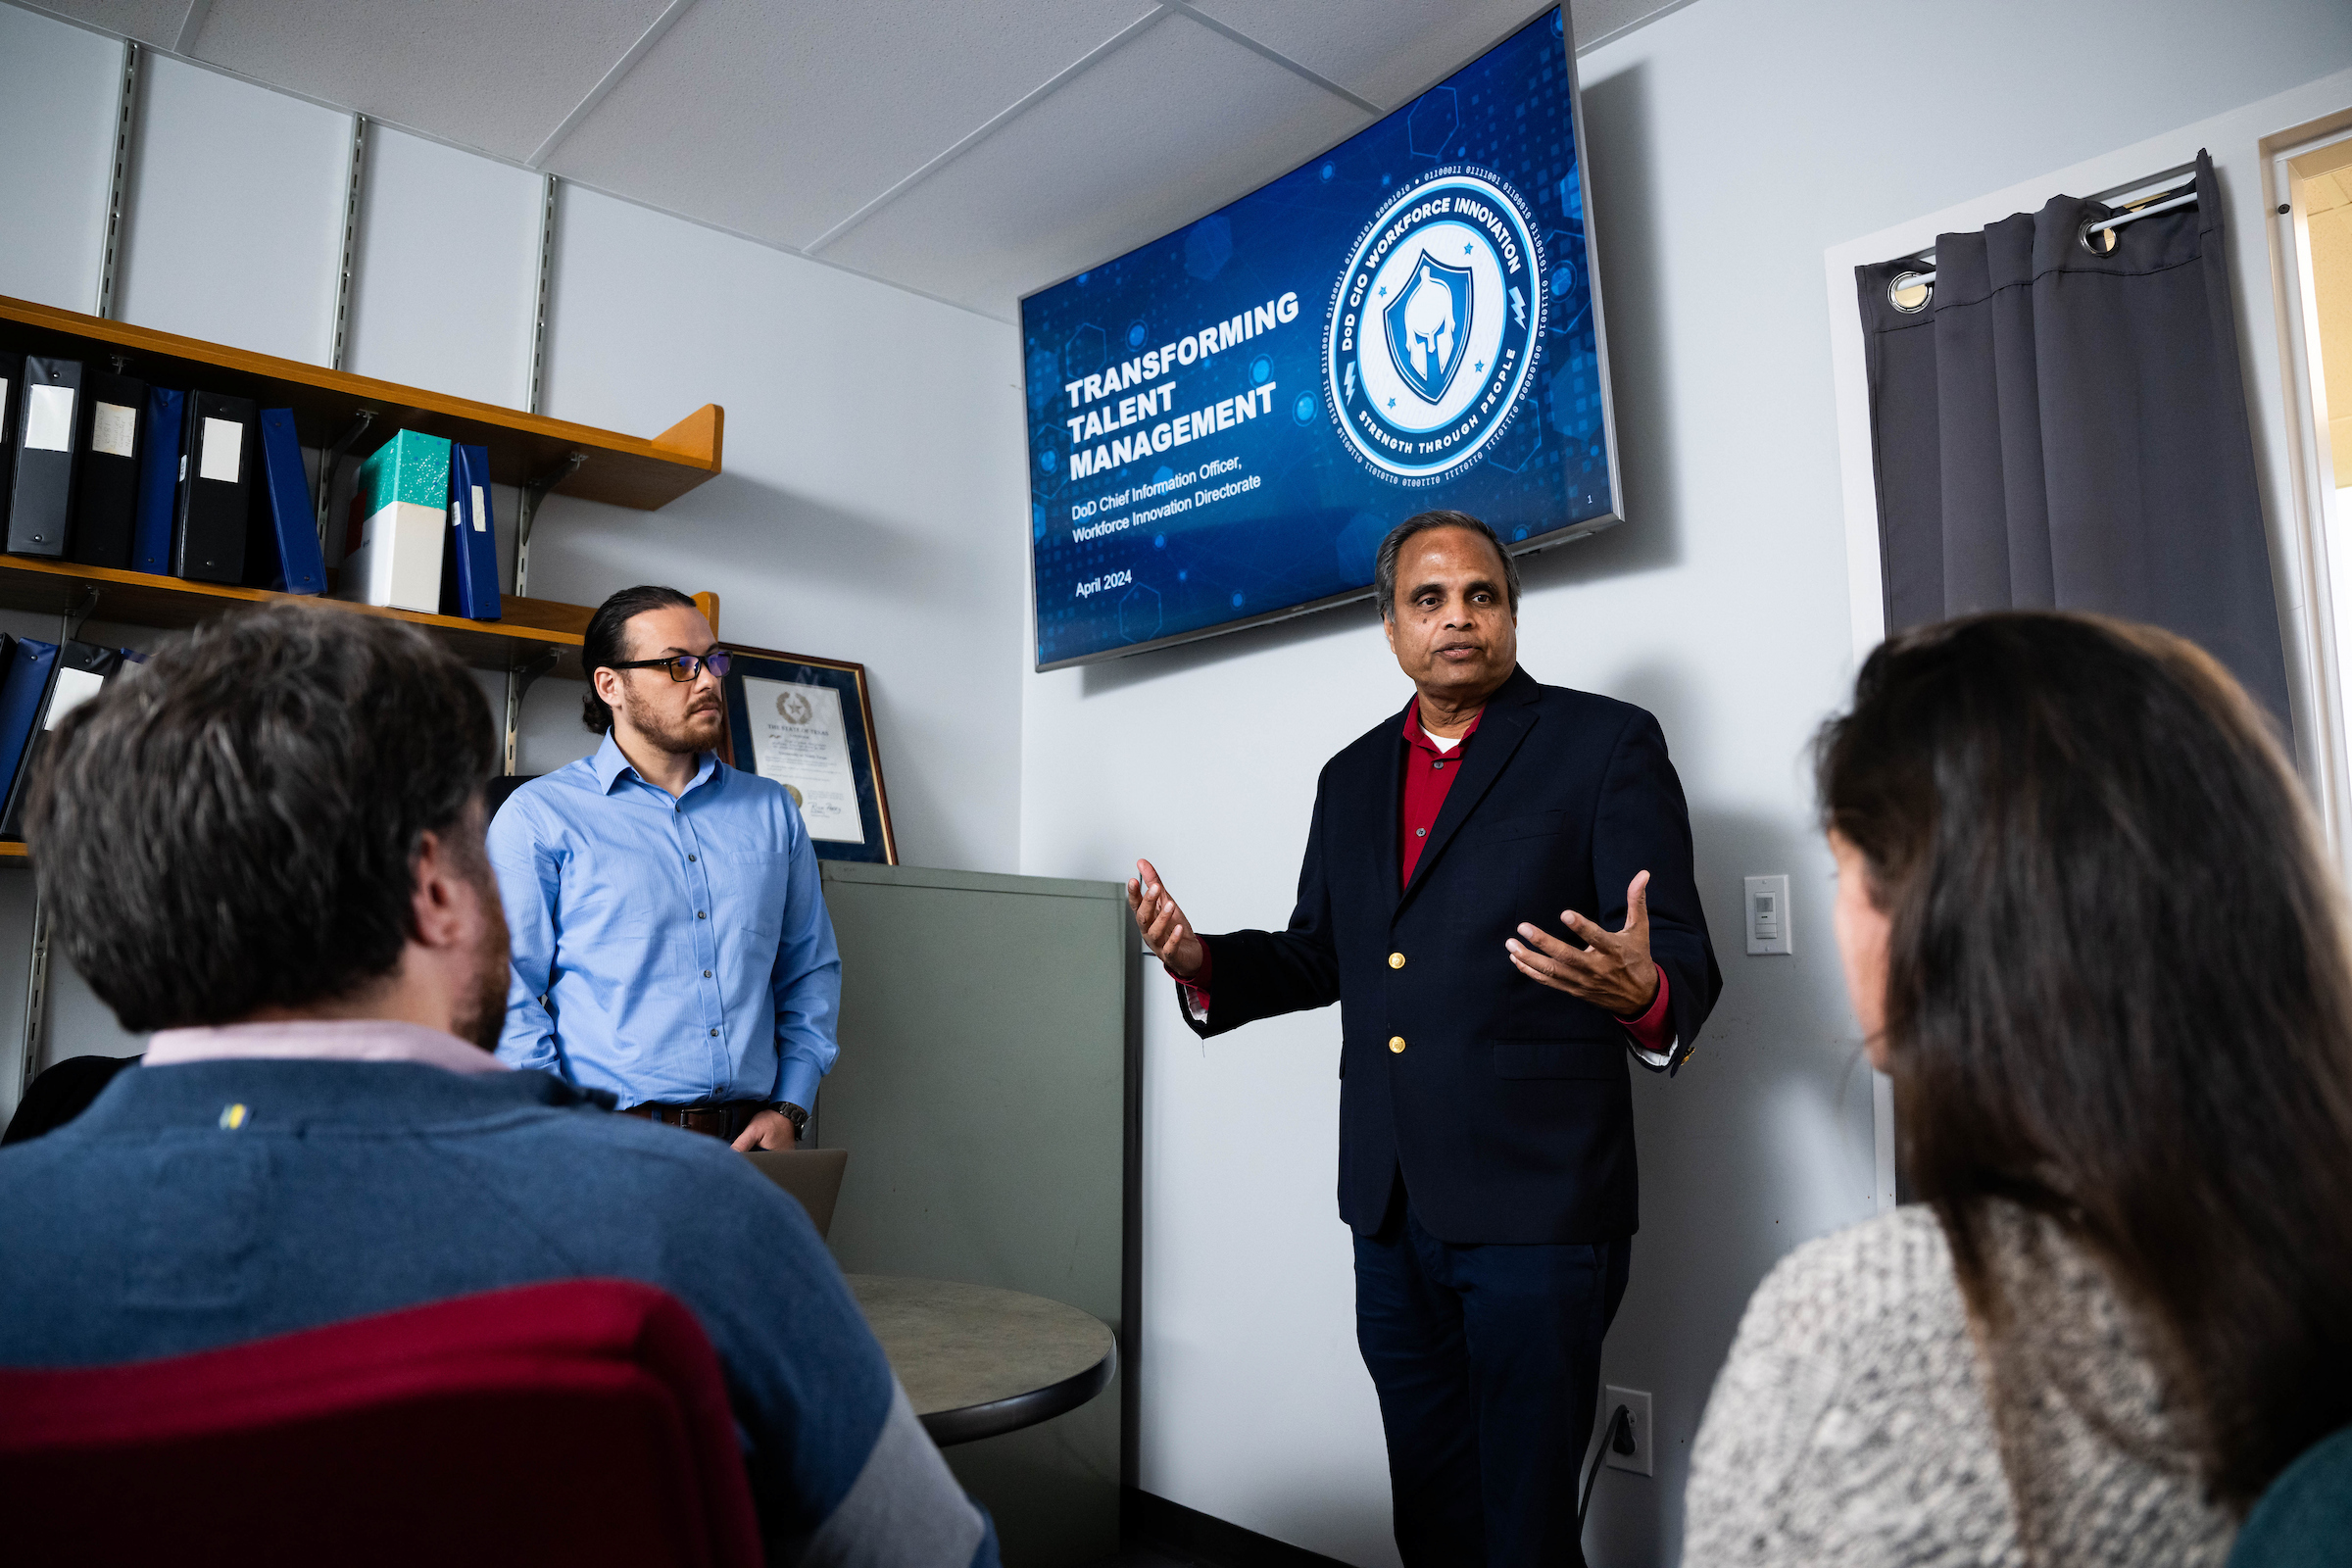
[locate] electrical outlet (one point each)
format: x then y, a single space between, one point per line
1768 914
1637 1401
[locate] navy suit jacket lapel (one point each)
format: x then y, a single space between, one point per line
1500 729
1386 865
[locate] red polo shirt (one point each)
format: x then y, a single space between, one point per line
1429 773
1428 777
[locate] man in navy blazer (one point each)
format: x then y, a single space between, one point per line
1486 1106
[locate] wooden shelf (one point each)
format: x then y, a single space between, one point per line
14 852
622 469
531 627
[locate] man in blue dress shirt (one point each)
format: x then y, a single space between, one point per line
671 942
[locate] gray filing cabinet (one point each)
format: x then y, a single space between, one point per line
987 1092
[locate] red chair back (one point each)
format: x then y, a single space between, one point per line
582 1423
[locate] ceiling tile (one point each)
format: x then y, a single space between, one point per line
155 22
1177 123
499 78
780 121
1388 52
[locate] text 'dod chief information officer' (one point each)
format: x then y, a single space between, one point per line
670 941
1485 1108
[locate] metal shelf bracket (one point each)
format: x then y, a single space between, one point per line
70 622
526 511
331 460
520 682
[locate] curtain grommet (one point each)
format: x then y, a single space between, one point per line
2102 242
1913 287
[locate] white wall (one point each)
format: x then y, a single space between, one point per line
871 435
57 94
447 271
1732 143
234 213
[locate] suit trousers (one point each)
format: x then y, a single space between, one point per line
1487 1360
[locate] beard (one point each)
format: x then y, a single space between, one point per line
483 1019
689 734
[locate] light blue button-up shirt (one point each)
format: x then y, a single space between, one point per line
665 950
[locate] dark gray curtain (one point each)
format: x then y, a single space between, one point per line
2058 430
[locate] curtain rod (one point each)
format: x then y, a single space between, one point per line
2169 201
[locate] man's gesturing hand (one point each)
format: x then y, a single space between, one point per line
1163 926
1613 973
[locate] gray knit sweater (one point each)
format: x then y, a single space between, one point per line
1853 1423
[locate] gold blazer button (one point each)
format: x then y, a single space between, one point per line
1395 960
1397 1043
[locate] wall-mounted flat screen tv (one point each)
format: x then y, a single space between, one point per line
1223 424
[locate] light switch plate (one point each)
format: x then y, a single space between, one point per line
1637 1401
1768 923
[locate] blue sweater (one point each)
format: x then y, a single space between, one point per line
149 1227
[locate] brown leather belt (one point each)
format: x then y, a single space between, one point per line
726 1121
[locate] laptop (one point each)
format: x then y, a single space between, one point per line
812 1175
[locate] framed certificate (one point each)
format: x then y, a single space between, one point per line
808 724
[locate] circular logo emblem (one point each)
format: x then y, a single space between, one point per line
794 709
794 791
1435 325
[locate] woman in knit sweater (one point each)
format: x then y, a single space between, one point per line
2087 928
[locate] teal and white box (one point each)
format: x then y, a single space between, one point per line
402 494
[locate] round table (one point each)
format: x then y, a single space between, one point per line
976 1360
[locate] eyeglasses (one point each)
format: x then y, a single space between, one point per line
683 666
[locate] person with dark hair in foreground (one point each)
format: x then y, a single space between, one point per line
2087 926
268 848
671 946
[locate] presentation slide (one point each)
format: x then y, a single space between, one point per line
1225 422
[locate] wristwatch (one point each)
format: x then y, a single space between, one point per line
794 1115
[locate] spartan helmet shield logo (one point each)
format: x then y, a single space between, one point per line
1429 326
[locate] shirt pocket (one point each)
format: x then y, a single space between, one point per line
750 887
1558 1058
